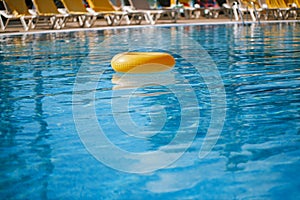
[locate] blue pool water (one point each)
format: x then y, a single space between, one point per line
59 95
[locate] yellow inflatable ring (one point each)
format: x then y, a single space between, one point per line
142 62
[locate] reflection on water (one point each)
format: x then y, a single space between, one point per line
134 81
146 90
255 116
142 106
260 66
42 156
31 71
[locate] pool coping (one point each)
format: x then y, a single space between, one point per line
146 26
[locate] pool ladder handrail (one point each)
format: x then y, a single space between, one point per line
239 14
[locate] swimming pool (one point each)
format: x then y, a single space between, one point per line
59 94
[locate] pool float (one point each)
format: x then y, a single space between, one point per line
142 62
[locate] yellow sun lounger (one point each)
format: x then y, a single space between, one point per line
293 3
282 10
16 9
113 14
78 11
46 9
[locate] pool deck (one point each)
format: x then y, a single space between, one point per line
15 27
